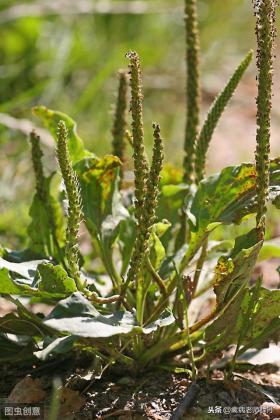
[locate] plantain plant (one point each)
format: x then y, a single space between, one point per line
153 273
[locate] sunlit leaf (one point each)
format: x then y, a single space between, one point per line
25 269
225 198
55 280
157 251
97 180
51 119
229 196
22 279
8 286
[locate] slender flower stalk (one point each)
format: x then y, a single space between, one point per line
36 155
149 209
265 31
140 164
139 156
120 119
74 204
145 223
214 115
193 86
151 199
51 242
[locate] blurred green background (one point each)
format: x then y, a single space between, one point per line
65 54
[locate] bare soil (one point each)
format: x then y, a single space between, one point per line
154 395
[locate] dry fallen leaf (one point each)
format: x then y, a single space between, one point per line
27 391
70 402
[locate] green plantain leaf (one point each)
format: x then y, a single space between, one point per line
262 327
157 251
116 212
75 315
169 207
55 280
97 178
13 324
57 346
46 232
13 351
171 200
8 286
127 234
22 279
234 272
51 119
229 196
25 269
225 198
24 255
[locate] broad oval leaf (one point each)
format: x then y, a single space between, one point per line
97 178
257 330
51 119
229 195
225 198
54 280
77 316
25 269
233 272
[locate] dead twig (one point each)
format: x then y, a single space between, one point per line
187 402
115 414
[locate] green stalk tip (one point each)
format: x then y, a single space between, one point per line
74 203
139 155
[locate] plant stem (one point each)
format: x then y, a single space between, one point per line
183 299
199 266
156 277
193 86
55 401
265 31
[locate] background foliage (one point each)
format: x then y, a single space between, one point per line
65 56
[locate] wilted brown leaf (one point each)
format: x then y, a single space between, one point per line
27 391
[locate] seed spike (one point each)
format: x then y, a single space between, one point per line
193 86
120 118
214 116
74 203
265 32
36 155
149 208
